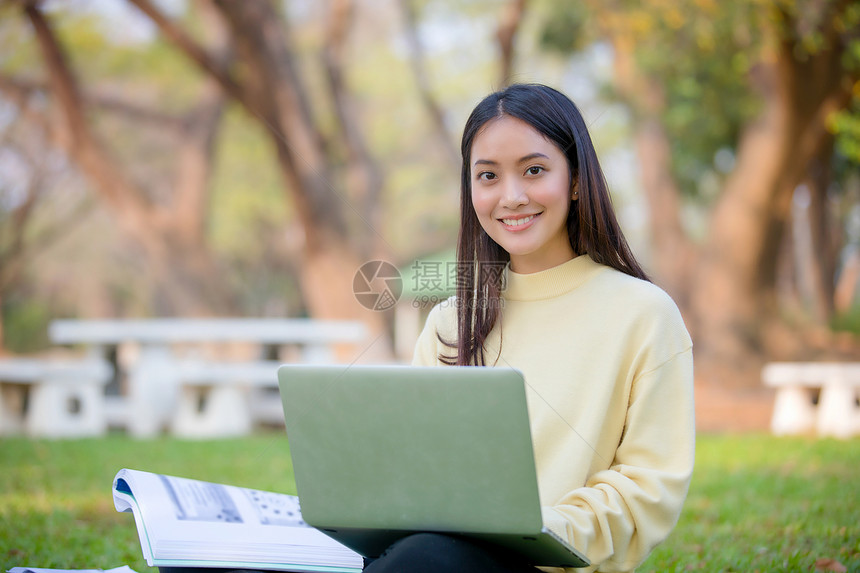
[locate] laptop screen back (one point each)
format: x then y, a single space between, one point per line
411 448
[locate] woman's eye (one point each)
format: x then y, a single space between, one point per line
534 170
486 176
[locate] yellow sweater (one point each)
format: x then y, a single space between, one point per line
609 369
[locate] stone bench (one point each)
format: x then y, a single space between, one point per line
158 390
223 399
53 398
835 412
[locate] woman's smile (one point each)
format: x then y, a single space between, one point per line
518 223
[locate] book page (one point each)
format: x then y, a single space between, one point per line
180 519
202 501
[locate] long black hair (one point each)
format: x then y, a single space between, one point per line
592 227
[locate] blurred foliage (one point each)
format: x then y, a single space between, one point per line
250 222
705 55
28 319
846 123
846 126
17 51
703 52
848 321
248 200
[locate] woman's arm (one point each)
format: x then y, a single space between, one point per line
627 509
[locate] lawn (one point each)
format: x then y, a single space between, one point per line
756 502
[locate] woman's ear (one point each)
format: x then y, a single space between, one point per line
574 193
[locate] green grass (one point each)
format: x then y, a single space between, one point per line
759 503
756 502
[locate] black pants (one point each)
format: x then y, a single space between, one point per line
437 553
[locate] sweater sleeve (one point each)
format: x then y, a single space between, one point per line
429 346
623 512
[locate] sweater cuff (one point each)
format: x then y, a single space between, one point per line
555 522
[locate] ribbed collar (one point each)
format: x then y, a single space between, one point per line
551 282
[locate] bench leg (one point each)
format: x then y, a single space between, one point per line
62 410
838 415
153 384
212 412
793 412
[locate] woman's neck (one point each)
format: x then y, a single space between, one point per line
534 263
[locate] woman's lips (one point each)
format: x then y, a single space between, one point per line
518 223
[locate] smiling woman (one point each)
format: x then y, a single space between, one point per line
503 141
605 355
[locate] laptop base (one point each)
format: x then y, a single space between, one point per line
544 549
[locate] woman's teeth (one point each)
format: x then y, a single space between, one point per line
518 222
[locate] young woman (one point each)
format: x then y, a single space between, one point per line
605 354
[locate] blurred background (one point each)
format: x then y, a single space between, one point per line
244 159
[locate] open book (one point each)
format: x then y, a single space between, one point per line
189 523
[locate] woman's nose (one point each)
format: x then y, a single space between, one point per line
514 194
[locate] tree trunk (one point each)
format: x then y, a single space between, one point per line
734 289
419 71
506 33
727 287
272 91
812 244
727 300
845 296
363 177
672 252
181 264
824 249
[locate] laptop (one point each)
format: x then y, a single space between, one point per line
381 452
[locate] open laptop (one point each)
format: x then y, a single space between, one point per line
380 452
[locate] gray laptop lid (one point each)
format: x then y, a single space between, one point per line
382 451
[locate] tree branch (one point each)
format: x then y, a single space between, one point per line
363 174
23 246
508 25
422 82
260 38
82 143
100 99
20 96
207 62
192 188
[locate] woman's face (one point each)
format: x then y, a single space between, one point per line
521 193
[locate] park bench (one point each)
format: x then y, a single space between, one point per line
57 398
168 386
818 397
220 399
